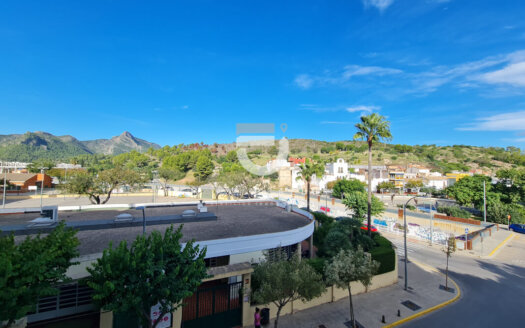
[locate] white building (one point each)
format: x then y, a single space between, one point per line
436 182
339 169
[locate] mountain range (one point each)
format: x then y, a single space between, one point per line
32 146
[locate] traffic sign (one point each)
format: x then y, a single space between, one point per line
466 230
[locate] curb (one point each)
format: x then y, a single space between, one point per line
431 309
506 240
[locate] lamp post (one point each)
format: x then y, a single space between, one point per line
431 223
143 218
154 186
484 203
5 183
405 238
42 186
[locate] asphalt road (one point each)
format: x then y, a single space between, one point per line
492 290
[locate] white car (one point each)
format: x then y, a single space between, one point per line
186 193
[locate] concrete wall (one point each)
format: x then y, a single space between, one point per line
452 227
331 294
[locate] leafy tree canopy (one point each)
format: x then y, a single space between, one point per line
281 280
358 203
155 269
347 186
31 269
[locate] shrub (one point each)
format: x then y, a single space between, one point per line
384 254
409 207
322 218
454 211
318 264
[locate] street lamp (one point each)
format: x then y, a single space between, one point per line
405 237
5 183
154 186
143 218
42 186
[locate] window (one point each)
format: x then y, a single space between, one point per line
213 262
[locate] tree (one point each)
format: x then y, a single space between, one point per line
449 249
468 191
348 266
31 269
281 280
36 165
167 174
414 184
251 184
385 185
357 202
347 186
104 183
308 170
154 270
203 168
373 128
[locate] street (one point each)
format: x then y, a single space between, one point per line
493 293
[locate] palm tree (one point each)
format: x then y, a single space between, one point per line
308 170
373 128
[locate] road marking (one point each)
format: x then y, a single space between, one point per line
431 309
400 247
501 244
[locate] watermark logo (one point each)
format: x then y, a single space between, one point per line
260 135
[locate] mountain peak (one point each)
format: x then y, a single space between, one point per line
126 134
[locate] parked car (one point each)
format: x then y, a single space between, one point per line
517 227
373 228
186 193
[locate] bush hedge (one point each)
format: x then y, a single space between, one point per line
384 254
454 211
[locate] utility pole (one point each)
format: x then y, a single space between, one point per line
484 203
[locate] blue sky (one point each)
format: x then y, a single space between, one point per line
443 72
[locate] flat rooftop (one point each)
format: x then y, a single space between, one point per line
231 221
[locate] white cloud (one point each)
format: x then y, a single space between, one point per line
513 74
513 121
362 108
356 70
304 81
516 140
379 4
506 71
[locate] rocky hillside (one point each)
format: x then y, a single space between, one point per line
119 144
31 146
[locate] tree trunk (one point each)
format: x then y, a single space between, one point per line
352 318
277 317
95 199
107 198
308 195
369 189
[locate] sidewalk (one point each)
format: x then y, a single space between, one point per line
370 307
487 249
